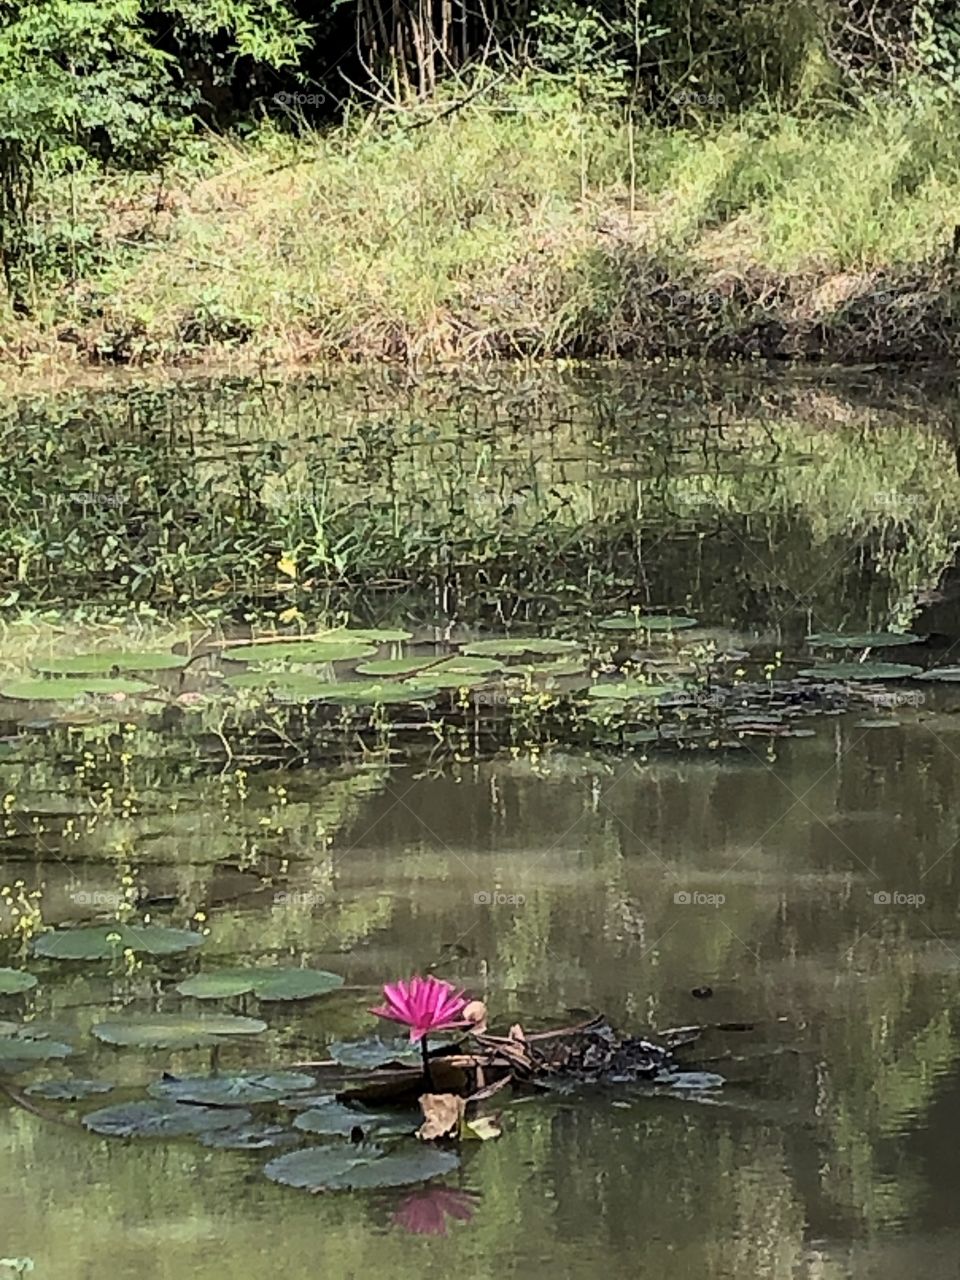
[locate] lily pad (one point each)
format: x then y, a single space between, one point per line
374 1052
106 941
265 984
14 981
332 1119
455 665
376 635
252 1137
174 1031
631 690
21 1048
161 1120
229 1091
305 651
949 675
69 688
865 640
368 694
68 1090
862 671
510 647
551 670
103 662
286 684
342 1168
646 622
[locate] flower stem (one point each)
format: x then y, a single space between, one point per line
426 1064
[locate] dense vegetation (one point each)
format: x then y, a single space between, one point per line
569 159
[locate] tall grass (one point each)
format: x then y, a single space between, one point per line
520 222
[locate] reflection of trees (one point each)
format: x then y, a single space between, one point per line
740 500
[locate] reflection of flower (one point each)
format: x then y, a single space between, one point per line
423 1005
425 1213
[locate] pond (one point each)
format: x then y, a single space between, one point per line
743 830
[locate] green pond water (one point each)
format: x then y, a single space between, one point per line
797 866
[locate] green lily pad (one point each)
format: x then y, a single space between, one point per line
229 1091
265 984
866 640
175 1031
21 1049
862 671
374 1052
161 1120
949 675
103 662
343 1168
68 1090
106 941
646 622
286 684
304 651
69 688
376 635
550 670
510 647
14 982
252 1137
368 694
630 690
332 1119
447 680
456 665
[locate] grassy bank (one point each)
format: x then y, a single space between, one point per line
519 224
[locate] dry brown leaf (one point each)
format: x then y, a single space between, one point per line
442 1116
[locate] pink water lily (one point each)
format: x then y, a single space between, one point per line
424 1005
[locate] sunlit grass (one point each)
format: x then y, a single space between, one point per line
511 225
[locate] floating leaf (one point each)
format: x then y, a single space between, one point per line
332 1119
288 685
161 1120
629 690
251 1137
103 662
509 647
377 635
228 1091
484 1127
866 640
68 1090
14 981
374 1052
106 941
174 1031
456 665
646 622
70 688
341 1168
948 675
305 651
367 693
21 1048
861 671
265 984
550 670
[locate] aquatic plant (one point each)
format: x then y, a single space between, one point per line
424 1005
